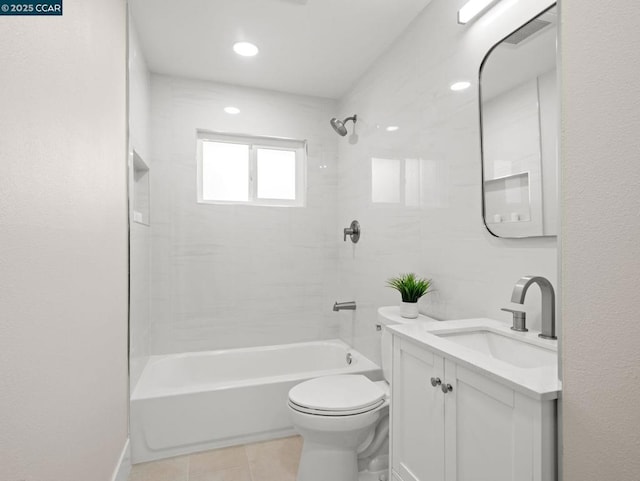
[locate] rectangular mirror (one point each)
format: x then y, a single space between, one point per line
519 126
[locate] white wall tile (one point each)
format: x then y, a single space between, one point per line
228 276
443 238
203 256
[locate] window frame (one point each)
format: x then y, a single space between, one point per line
254 143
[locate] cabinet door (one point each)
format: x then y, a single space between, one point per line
481 427
417 414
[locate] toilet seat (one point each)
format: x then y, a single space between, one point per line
321 412
340 395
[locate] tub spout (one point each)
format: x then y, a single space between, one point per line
349 306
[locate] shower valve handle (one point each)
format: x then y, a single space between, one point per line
352 231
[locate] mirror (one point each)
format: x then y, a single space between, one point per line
519 127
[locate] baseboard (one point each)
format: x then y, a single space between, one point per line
121 473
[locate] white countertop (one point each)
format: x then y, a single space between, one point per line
391 315
538 382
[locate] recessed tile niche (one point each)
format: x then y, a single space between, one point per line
140 190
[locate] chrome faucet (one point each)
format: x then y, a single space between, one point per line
548 302
349 306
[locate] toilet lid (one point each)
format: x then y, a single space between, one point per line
346 393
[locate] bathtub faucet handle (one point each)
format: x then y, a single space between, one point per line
349 306
353 232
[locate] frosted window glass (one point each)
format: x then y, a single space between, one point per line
385 180
276 174
225 171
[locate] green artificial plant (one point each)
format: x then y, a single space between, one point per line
410 287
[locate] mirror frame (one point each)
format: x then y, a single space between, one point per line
482 162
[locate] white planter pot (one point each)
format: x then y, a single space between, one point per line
409 310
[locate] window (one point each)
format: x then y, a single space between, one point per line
236 169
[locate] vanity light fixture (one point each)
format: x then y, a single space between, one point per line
245 49
232 110
472 9
392 128
458 86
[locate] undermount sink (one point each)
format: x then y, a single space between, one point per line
503 347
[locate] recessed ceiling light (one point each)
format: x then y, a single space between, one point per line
472 9
245 49
392 128
232 110
456 87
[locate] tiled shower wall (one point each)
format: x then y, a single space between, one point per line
431 223
233 276
227 276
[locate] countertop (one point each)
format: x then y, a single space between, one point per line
538 382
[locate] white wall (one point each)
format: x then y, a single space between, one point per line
232 276
442 237
63 232
600 239
140 247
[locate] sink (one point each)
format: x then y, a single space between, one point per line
503 347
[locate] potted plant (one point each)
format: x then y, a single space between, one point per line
411 289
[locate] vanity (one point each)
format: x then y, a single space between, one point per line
473 400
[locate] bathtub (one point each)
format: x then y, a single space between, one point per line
191 402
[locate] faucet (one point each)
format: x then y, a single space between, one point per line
548 302
349 306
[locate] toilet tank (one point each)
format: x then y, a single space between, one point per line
388 316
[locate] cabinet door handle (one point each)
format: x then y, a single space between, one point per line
435 381
447 388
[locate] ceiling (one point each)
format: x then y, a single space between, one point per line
310 47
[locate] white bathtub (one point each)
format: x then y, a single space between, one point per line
192 402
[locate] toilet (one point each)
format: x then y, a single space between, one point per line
344 418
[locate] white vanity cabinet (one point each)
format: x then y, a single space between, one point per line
479 430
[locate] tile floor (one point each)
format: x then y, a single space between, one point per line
268 461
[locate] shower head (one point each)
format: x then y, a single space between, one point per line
338 125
